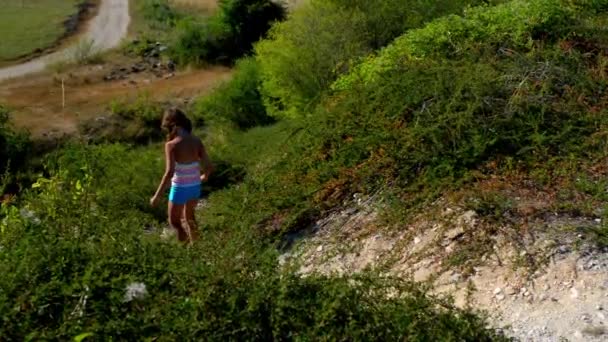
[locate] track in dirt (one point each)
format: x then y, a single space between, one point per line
36 102
105 31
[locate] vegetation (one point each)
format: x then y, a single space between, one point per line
237 102
28 26
510 92
227 35
14 150
305 54
98 274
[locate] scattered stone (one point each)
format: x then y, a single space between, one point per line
500 297
498 290
454 233
573 293
320 249
596 331
510 291
417 240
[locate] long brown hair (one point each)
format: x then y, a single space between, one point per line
173 119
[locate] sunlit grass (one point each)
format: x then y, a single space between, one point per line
29 25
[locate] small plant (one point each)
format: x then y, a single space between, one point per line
85 53
237 102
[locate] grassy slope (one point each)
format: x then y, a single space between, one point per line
518 86
29 25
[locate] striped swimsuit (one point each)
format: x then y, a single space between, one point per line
186 183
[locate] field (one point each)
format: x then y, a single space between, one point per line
30 25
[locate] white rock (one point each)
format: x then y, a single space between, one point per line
497 290
601 316
573 293
417 240
500 296
320 248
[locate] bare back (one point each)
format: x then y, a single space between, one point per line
186 149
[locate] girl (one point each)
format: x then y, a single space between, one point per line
183 154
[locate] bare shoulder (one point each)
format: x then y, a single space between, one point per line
170 145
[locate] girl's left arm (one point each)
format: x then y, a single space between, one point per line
169 170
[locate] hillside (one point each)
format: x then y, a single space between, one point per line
418 170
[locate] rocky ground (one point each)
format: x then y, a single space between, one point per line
546 285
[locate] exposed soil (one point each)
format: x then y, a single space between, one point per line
563 298
36 102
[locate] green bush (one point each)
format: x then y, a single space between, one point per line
423 124
237 102
304 55
76 261
197 41
133 121
15 146
513 25
159 13
226 36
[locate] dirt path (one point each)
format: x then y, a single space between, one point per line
88 96
105 30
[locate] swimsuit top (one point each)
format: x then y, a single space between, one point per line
185 175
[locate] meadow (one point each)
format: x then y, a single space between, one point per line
28 26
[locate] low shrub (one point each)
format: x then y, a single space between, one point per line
133 121
159 13
237 102
74 266
304 55
227 35
15 148
513 25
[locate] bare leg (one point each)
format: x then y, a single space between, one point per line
189 215
175 220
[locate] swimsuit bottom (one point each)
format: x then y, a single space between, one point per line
183 194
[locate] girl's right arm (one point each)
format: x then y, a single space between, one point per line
169 170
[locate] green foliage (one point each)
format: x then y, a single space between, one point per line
76 263
226 36
15 146
305 54
133 121
425 123
513 25
237 102
248 20
159 13
197 41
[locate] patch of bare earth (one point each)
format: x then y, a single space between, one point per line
37 102
541 283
